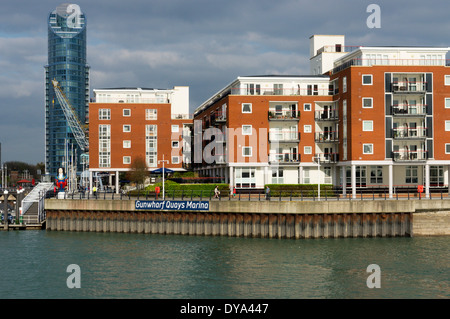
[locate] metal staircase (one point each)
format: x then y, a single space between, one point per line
33 204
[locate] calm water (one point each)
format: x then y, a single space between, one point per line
115 265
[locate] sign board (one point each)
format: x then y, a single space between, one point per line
172 205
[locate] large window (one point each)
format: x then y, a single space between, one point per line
361 176
104 145
151 142
376 174
245 177
411 175
277 176
104 114
151 114
436 175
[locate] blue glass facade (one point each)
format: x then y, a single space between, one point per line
67 64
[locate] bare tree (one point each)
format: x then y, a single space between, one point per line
138 171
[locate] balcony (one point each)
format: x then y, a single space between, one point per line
329 115
284 115
326 137
284 158
220 117
284 136
406 155
292 91
407 110
409 133
409 87
327 158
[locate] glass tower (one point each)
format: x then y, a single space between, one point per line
66 64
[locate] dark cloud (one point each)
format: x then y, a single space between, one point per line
204 44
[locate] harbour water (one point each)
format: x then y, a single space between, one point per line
117 265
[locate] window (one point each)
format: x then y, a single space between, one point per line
104 145
327 172
367 79
307 129
175 128
126 112
411 176
175 144
151 114
306 178
277 176
376 174
127 128
436 175
278 89
307 107
368 126
246 108
447 125
447 103
126 144
307 150
367 148
246 130
447 148
367 102
175 160
127 159
447 80
344 84
245 177
151 145
247 151
104 114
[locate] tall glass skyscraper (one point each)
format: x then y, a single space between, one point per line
66 64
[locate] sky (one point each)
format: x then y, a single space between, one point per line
203 44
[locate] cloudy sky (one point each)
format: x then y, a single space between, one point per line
204 44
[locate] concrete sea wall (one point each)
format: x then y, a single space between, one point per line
283 219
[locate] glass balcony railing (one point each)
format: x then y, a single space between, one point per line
329 115
284 136
409 86
284 158
326 137
327 157
409 110
408 155
284 115
409 133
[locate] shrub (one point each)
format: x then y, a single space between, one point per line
297 190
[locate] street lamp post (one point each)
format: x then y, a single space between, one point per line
163 172
318 175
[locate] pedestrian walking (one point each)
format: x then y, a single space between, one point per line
234 192
94 190
216 192
267 193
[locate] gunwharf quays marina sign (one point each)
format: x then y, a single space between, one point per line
172 205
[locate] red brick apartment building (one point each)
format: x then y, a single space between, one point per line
127 123
366 117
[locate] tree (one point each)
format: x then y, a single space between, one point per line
138 172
